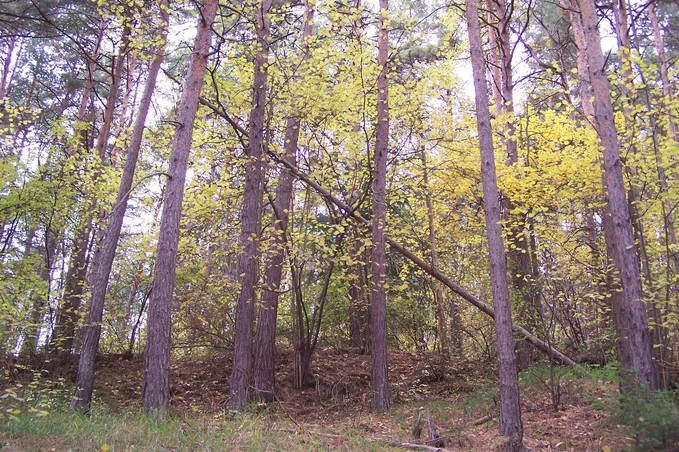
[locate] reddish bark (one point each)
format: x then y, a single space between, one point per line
634 341
156 386
510 409
250 221
103 261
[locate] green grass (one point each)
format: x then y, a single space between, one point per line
128 431
34 417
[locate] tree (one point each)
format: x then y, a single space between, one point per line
510 407
104 258
378 313
634 342
156 386
251 218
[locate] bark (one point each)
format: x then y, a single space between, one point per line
156 386
63 335
264 364
250 221
668 94
518 255
378 312
510 410
630 312
64 330
104 258
581 59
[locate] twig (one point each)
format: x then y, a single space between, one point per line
483 420
410 445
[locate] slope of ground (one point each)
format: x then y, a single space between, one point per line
459 399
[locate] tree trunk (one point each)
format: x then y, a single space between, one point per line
104 258
264 365
510 409
378 313
442 331
250 220
631 318
63 335
156 386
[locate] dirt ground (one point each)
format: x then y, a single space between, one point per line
460 399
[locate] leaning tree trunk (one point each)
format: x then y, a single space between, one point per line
156 386
250 220
378 313
510 409
104 258
631 319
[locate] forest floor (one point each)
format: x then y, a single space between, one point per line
460 399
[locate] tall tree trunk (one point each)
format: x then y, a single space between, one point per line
442 331
63 335
668 86
518 254
104 258
156 386
250 219
510 408
378 313
264 364
631 318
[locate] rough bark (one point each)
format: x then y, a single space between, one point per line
156 386
63 336
104 258
668 94
631 318
378 312
264 364
510 409
250 221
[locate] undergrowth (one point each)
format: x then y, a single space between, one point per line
651 419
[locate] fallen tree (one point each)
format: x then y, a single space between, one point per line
456 288
541 345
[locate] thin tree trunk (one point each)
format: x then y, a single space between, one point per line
156 386
667 85
378 313
518 254
358 305
510 409
442 336
250 220
104 258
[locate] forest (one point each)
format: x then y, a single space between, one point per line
282 185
